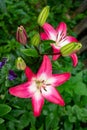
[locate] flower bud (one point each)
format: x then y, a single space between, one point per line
21 35
2 96
35 39
70 48
21 65
43 15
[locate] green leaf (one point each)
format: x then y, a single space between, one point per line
3 6
48 41
3 127
56 65
76 85
53 122
41 128
32 128
80 112
80 89
4 109
24 120
68 125
1 120
72 118
46 45
30 52
12 118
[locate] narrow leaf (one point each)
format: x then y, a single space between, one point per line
30 52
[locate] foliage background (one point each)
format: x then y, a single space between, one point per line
71 117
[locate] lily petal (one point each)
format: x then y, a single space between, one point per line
29 74
71 39
52 95
67 40
50 31
61 30
55 50
46 67
37 103
74 59
60 78
43 36
21 91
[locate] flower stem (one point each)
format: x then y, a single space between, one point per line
49 54
42 54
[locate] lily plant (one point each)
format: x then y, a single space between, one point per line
40 86
60 38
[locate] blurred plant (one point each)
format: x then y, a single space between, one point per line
74 92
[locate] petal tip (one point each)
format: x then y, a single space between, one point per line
74 59
75 64
62 103
36 114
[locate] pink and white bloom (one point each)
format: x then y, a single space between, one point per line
41 86
59 35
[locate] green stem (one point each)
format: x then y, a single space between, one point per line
49 54
41 54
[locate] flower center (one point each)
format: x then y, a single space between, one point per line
41 84
60 38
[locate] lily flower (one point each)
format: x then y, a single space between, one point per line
40 86
59 35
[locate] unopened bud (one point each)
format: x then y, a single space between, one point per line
43 15
21 65
70 48
2 96
35 39
21 35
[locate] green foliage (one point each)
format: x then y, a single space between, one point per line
1 120
16 113
4 109
30 52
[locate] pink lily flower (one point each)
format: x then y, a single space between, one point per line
61 39
41 86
